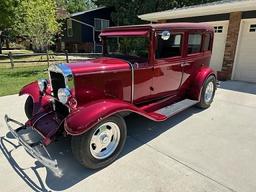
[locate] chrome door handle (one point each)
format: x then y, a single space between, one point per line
184 64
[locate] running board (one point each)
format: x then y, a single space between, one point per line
175 108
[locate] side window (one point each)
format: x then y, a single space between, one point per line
170 47
207 39
100 24
194 43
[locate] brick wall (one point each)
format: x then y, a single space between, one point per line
230 48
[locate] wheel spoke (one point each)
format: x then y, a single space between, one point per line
98 149
94 139
109 132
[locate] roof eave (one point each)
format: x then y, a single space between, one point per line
200 11
87 11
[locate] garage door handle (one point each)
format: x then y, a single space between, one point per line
184 64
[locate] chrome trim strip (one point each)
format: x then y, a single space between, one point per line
132 83
102 72
61 68
65 71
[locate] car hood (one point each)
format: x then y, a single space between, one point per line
99 65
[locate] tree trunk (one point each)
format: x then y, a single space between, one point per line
1 44
7 43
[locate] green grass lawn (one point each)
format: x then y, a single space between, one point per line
17 51
35 58
12 80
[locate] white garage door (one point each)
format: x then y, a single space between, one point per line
220 36
245 63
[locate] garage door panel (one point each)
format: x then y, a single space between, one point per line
219 43
245 66
247 54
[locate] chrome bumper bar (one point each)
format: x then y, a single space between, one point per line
32 149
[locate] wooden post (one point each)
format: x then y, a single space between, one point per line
1 42
66 53
11 59
47 56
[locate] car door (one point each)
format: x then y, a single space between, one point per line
167 70
142 82
194 56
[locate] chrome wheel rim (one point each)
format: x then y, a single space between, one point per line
209 92
105 140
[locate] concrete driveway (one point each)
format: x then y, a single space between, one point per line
209 150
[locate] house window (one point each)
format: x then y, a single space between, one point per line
194 43
100 24
170 47
99 49
69 28
253 28
218 29
207 39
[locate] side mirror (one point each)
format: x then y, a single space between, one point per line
165 35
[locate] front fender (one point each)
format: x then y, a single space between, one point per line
32 90
198 82
87 116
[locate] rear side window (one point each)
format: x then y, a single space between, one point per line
194 43
170 47
207 39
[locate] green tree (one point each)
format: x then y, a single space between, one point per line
126 11
7 8
37 21
73 6
6 13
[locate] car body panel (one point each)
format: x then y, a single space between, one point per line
101 78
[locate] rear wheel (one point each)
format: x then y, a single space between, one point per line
102 144
28 107
207 93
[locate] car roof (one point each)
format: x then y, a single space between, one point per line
161 26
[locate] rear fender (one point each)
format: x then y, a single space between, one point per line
84 118
197 85
32 90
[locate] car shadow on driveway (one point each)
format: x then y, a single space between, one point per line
239 86
140 131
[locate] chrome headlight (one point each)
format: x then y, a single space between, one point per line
42 84
63 95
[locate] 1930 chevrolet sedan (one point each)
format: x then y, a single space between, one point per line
153 70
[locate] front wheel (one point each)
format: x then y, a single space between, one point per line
28 107
208 92
101 145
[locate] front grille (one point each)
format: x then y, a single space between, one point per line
57 82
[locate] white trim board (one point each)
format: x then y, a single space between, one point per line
201 10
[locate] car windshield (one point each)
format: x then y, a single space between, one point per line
131 48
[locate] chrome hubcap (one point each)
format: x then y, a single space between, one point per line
105 140
209 92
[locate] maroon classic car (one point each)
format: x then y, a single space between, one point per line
154 70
